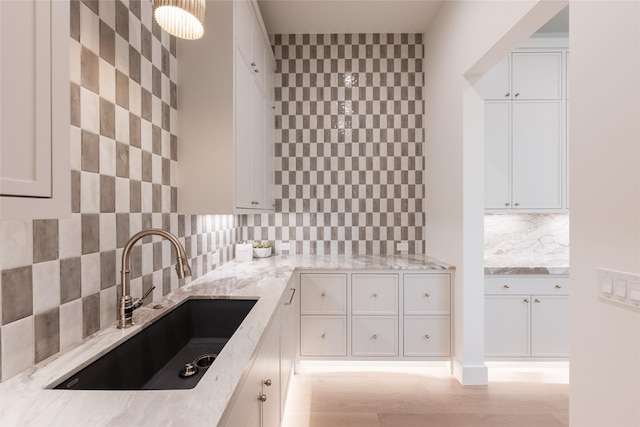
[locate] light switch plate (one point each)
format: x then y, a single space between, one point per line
619 288
402 246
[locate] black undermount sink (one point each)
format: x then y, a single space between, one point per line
155 358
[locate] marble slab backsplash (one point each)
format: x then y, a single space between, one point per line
526 235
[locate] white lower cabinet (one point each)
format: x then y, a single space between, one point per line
260 400
323 335
427 336
549 326
374 336
526 317
389 315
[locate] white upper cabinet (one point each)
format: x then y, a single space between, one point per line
226 147
496 84
525 132
524 75
34 109
536 75
497 145
537 144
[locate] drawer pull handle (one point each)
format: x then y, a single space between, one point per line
375 337
507 95
526 300
427 337
375 295
323 336
506 286
268 382
536 300
426 295
558 287
262 398
292 294
324 294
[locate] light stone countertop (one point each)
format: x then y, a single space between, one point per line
526 265
24 401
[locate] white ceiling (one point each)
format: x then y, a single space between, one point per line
347 16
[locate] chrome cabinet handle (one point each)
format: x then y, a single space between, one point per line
375 295
508 94
507 204
517 94
517 204
506 286
427 337
253 64
323 336
536 300
324 294
374 336
262 398
426 295
268 382
558 287
291 299
526 300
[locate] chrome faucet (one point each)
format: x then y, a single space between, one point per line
126 303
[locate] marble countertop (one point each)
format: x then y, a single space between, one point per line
24 400
522 264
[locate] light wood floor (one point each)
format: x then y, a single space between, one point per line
340 396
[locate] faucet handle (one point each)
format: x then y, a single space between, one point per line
138 302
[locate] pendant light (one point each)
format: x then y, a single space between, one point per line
180 18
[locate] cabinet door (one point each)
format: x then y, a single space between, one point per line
427 336
244 28
323 294
506 331
374 294
270 398
537 75
374 336
25 107
243 134
268 183
259 54
323 336
495 84
550 326
536 146
288 341
258 148
497 155
427 294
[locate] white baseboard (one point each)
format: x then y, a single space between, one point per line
470 374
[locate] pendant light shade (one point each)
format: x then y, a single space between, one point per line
180 18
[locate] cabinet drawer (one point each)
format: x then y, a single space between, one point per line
374 336
427 336
518 285
323 336
323 294
374 294
427 294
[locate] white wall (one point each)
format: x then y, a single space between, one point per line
466 38
605 209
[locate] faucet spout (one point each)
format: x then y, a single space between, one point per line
127 304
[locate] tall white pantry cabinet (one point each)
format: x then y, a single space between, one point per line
525 131
226 114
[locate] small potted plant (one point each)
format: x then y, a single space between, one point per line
261 249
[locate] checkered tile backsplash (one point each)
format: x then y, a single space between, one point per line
60 277
349 144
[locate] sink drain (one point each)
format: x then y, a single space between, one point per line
205 360
189 370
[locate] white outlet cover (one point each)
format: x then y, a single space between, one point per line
284 246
